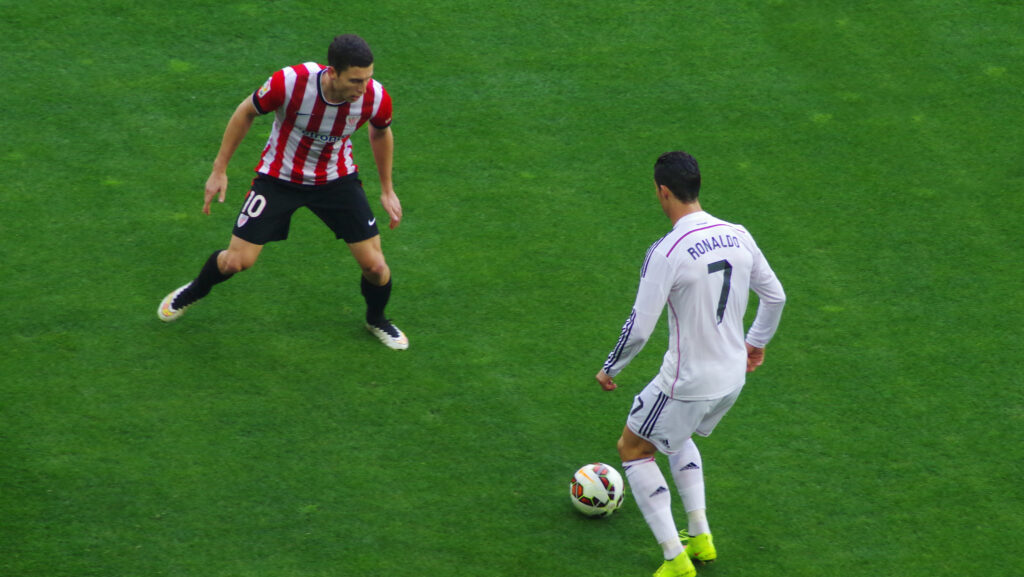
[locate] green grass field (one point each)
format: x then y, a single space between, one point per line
874 150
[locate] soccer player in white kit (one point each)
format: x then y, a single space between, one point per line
704 270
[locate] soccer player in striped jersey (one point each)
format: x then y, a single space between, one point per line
307 161
704 270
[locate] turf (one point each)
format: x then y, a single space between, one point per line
874 150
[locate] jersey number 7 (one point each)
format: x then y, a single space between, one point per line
723 299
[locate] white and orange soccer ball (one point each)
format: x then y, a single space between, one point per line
596 490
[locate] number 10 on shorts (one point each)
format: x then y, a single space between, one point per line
253 207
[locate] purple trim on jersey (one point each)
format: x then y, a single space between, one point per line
647 257
693 231
613 357
679 345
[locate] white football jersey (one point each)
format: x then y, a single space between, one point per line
704 269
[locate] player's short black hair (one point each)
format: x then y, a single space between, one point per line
349 50
678 171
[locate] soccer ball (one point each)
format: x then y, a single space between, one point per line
596 490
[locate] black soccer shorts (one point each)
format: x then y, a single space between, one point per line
341 204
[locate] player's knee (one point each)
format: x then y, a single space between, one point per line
377 271
625 453
632 451
235 263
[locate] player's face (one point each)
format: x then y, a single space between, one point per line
350 84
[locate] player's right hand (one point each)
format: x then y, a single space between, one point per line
606 382
216 185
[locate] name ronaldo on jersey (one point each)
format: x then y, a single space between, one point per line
709 244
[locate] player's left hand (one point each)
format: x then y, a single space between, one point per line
606 382
755 357
389 200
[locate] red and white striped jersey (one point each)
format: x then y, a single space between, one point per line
309 141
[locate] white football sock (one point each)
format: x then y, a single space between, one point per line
652 496
688 473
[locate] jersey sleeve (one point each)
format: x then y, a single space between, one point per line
771 300
382 116
651 296
271 95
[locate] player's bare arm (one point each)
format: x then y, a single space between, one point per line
382 142
238 126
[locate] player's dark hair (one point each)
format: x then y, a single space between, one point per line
349 50
678 171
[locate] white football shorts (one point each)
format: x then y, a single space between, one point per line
667 423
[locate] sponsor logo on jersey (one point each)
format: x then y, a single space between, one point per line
321 137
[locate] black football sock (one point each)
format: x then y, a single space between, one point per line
376 299
209 276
